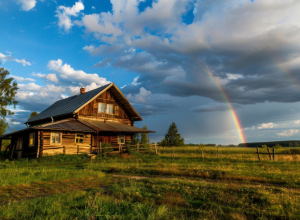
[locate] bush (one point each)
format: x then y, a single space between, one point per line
277 146
104 146
264 146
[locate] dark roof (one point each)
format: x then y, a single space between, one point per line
84 125
112 126
68 105
68 125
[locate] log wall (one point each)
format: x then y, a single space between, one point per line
67 146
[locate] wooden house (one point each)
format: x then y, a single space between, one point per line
78 124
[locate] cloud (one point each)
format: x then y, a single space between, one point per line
142 97
288 133
267 125
5 58
27 5
67 73
297 122
103 63
22 79
64 15
211 108
51 76
247 57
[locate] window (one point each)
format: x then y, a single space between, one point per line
55 138
105 108
31 139
101 107
121 139
79 138
109 108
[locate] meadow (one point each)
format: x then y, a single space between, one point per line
230 183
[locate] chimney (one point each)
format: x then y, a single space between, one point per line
82 90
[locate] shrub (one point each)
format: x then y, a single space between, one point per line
264 146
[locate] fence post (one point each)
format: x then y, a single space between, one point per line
138 147
173 152
269 153
77 149
155 148
218 152
120 148
100 151
257 150
64 149
273 153
202 155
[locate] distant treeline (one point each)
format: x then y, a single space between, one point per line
272 144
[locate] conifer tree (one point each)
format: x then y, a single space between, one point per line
173 138
144 138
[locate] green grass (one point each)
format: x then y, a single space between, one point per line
230 185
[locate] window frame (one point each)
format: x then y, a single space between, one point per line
119 139
33 139
79 138
99 103
106 108
60 137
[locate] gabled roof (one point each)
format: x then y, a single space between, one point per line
73 104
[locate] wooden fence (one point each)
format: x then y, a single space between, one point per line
272 154
120 148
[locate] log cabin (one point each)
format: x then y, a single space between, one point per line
77 124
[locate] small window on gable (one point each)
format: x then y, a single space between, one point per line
55 138
101 107
121 139
109 108
31 139
79 138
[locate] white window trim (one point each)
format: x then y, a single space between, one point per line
60 138
76 138
119 139
106 108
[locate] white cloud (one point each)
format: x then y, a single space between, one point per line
66 72
16 122
142 97
288 133
22 79
51 76
27 5
5 58
297 122
64 15
267 125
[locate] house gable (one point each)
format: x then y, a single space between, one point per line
84 104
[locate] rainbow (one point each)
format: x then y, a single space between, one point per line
232 111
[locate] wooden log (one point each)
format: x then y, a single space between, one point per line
273 153
269 153
257 151
155 148
41 144
64 149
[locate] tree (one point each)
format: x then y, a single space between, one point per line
173 138
135 139
144 138
33 114
8 91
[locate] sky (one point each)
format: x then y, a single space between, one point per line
225 71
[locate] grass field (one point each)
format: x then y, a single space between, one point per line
231 184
